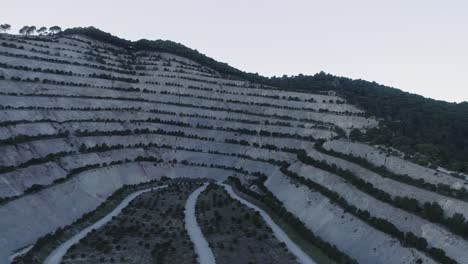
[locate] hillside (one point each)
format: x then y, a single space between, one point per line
431 132
84 115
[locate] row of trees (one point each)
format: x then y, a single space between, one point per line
431 211
31 30
443 189
408 239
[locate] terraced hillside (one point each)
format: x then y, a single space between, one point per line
82 118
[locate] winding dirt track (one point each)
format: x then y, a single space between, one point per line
56 256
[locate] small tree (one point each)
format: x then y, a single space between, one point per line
5 27
31 30
42 31
55 29
24 30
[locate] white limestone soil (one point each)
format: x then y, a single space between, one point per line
301 256
56 256
202 248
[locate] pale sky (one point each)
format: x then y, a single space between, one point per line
419 46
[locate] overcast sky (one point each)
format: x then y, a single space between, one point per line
419 46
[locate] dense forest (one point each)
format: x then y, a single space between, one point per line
437 130
428 130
